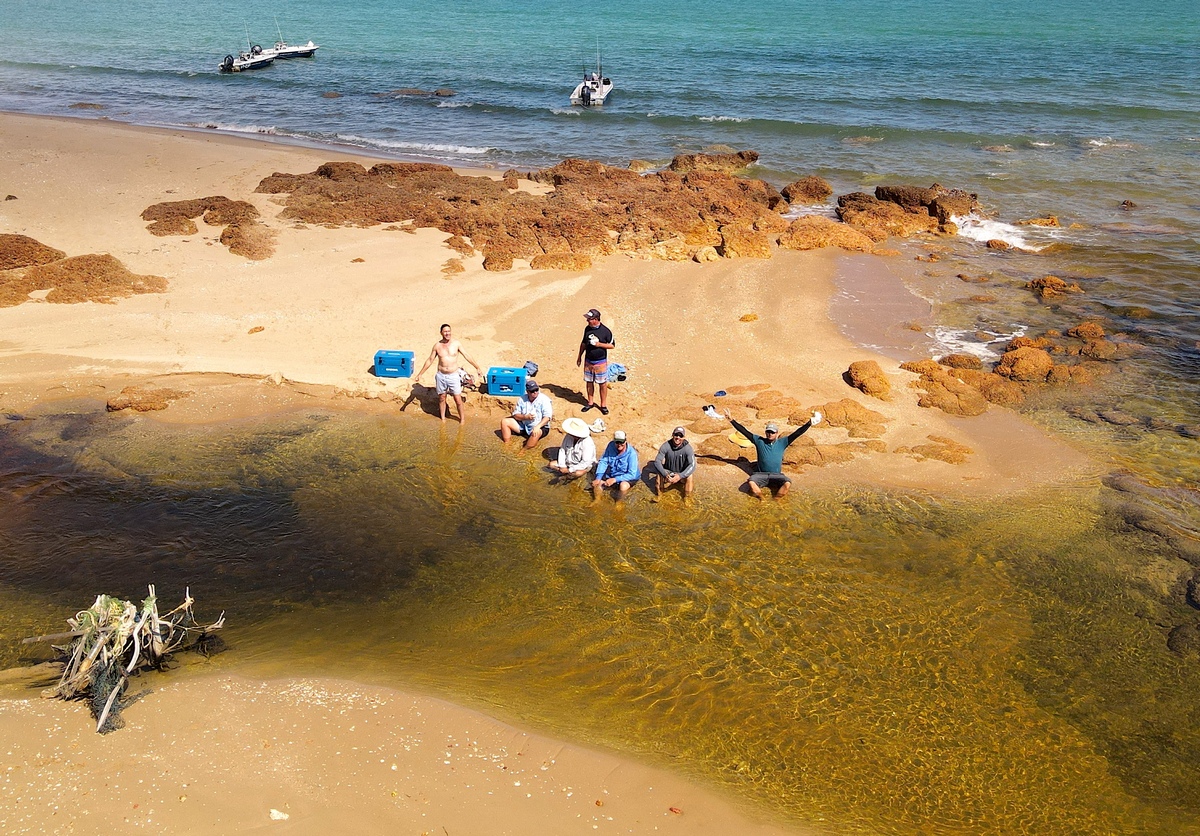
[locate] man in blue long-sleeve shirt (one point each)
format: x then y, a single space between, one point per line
617 467
768 470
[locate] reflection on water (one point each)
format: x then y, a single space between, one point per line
877 662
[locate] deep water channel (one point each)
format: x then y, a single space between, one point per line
856 660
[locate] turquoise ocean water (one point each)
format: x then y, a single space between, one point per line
878 662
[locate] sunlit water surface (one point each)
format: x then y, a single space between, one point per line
863 661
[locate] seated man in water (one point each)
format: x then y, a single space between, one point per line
530 418
618 467
768 470
577 453
675 463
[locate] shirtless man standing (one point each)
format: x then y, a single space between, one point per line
447 379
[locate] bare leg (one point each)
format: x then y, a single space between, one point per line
597 489
688 485
755 490
458 401
507 427
442 405
591 391
603 395
532 441
622 489
660 485
783 490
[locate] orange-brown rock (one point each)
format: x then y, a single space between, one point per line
561 261
1025 364
703 255
727 163
141 399
498 262
721 448
858 421
1050 286
1087 331
641 165
998 244
810 189
593 210
1100 350
1029 342
878 219
249 239
1049 220
944 391
772 404
741 242
935 201
808 453
961 361
868 377
944 449
453 266
173 226
22 251
460 245
89 278
994 388
814 232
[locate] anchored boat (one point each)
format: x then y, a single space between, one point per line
594 89
253 59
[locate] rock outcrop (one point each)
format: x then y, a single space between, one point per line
867 377
18 251
814 232
811 189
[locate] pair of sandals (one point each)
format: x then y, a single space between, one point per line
603 409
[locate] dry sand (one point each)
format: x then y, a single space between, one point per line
314 314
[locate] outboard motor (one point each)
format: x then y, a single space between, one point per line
586 95
256 50
227 64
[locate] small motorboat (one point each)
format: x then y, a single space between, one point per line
253 59
283 49
594 89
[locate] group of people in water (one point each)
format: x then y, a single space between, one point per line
617 468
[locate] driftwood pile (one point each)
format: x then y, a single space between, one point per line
113 639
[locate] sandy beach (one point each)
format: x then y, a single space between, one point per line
248 337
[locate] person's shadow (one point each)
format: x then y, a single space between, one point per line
426 397
563 393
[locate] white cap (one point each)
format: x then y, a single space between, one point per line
619 436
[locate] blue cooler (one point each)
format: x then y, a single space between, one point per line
507 382
393 363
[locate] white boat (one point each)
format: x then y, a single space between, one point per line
253 59
283 49
594 89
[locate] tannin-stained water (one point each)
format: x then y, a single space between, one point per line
860 660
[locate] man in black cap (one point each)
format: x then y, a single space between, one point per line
596 342
768 470
530 418
675 464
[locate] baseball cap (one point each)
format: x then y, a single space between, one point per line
678 431
531 386
772 427
619 436
592 314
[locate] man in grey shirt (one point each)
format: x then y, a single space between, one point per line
675 464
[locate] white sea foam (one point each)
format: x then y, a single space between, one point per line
984 344
826 210
455 104
414 147
983 230
566 111
723 119
1042 144
237 129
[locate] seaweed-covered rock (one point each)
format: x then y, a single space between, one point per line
144 399
1049 287
727 163
18 251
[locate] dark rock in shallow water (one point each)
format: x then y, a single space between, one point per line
1184 639
1193 591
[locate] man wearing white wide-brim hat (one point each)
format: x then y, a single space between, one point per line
577 453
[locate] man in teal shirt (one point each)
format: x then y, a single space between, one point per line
768 470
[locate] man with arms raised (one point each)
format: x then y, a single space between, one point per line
447 380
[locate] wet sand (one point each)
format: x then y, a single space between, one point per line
252 336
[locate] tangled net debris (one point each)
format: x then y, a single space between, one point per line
113 638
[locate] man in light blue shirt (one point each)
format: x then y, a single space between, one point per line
618 467
530 418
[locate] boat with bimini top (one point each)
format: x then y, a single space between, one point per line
594 89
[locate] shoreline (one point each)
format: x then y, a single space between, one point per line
329 298
220 753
